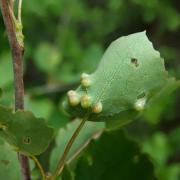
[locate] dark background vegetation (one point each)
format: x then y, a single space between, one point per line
64 38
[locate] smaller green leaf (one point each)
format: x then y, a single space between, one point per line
67 174
160 102
9 165
174 139
40 107
28 134
6 70
170 172
47 57
7 98
158 148
114 156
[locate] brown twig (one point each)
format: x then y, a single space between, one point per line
11 3
17 55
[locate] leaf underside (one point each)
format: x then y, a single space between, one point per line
130 69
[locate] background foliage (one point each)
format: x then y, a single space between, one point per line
64 38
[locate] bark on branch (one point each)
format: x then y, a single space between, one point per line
17 55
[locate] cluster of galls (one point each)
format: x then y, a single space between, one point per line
85 100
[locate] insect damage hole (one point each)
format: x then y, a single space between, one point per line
27 140
142 95
135 62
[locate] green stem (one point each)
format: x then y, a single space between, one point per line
39 166
61 162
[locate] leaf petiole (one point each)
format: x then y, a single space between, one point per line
61 162
39 166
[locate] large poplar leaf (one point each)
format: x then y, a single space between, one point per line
28 134
113 157
131 69
9 165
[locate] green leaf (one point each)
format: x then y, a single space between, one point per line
9 165
6 70
47 57
66 174
25 132
174 139
158 148
84 137
1 92
161 101
130 72
39 107
170 172
114 156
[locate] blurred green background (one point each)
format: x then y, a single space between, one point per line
64 38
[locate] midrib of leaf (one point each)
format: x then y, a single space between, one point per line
109 81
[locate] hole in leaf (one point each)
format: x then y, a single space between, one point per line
27 140
135 62
141 95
